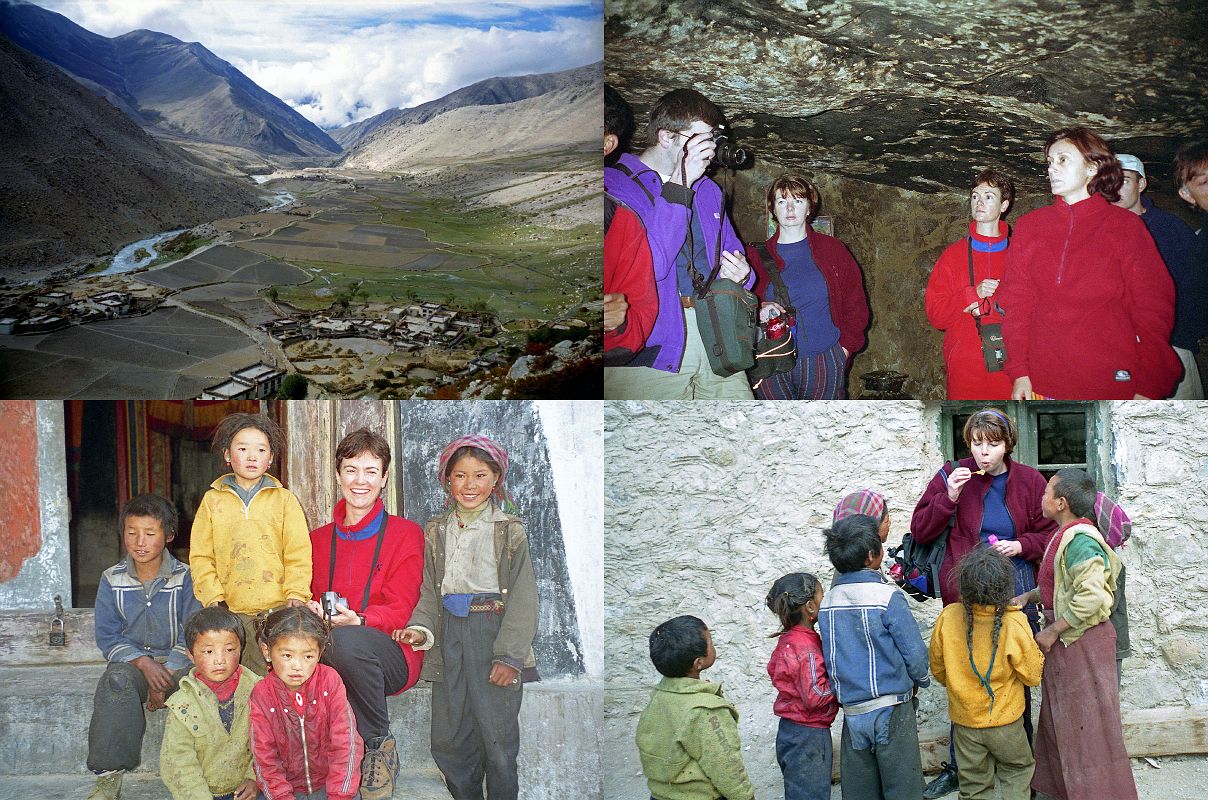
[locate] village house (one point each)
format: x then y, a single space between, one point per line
256 382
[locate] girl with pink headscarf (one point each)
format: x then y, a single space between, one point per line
477 618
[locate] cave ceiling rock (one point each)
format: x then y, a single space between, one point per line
919 94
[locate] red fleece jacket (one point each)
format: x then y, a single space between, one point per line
949 293
1089 304
798 671
844 284
396 582
629 270
330 751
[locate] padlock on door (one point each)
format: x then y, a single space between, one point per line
58 628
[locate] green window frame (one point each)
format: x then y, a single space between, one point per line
1052 434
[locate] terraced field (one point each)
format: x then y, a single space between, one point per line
512 237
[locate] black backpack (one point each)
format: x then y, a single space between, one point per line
916 567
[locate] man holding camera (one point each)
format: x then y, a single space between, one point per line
375 560
678 222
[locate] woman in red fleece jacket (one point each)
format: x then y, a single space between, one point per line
375 560
1088 301
825 288
962 292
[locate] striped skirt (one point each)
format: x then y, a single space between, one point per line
822 376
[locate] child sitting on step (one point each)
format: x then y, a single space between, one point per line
141 607
303 735
205 751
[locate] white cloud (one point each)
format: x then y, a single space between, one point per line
340 62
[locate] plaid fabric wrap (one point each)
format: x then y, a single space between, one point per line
492 449
861 501
1112 521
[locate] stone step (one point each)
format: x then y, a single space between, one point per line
413 785
45 710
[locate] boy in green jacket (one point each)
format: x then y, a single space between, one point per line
688 734
205 755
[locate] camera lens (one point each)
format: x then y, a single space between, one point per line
726 154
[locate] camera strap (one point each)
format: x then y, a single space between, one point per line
969 250
377 550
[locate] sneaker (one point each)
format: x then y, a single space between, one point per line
108 786
946 783
379 770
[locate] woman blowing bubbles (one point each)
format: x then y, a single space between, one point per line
1088 303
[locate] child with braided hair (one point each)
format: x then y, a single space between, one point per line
804 700
982 650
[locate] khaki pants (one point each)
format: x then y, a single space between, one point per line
252 658
694 381
1189 388
982 751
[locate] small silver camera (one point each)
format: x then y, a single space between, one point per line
329 601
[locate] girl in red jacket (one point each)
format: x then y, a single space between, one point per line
303 736
1088 302
804 700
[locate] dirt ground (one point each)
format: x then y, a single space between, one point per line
1175 778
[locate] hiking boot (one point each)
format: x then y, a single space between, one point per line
946 783
108 786
379 769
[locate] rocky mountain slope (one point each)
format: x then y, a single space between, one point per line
491 91
566 117
81 178
163 83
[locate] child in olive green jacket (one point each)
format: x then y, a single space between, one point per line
205 754
688 735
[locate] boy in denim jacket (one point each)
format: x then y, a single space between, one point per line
877 662
142 605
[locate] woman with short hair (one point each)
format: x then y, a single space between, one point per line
825 288
1088 302
374 561
992 501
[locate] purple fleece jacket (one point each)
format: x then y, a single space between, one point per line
665 212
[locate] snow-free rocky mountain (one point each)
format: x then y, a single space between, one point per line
491 91
164 84
81 178
565 111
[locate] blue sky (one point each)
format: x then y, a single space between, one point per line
340 61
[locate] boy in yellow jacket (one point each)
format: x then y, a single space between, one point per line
982 650
250 545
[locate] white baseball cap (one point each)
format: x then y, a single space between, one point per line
1131 162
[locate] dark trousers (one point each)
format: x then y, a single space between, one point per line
804 755
475 724
891 771
115 733
372 668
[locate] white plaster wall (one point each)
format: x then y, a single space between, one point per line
49 572
706 504
1160 463
574 439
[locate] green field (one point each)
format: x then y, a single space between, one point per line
514 268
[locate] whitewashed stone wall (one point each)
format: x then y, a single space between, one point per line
1159 453
706 504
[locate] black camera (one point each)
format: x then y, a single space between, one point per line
727 154
329 601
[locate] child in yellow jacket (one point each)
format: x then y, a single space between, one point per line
250 546
982 650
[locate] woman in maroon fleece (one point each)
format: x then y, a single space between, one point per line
825 289
1088 303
